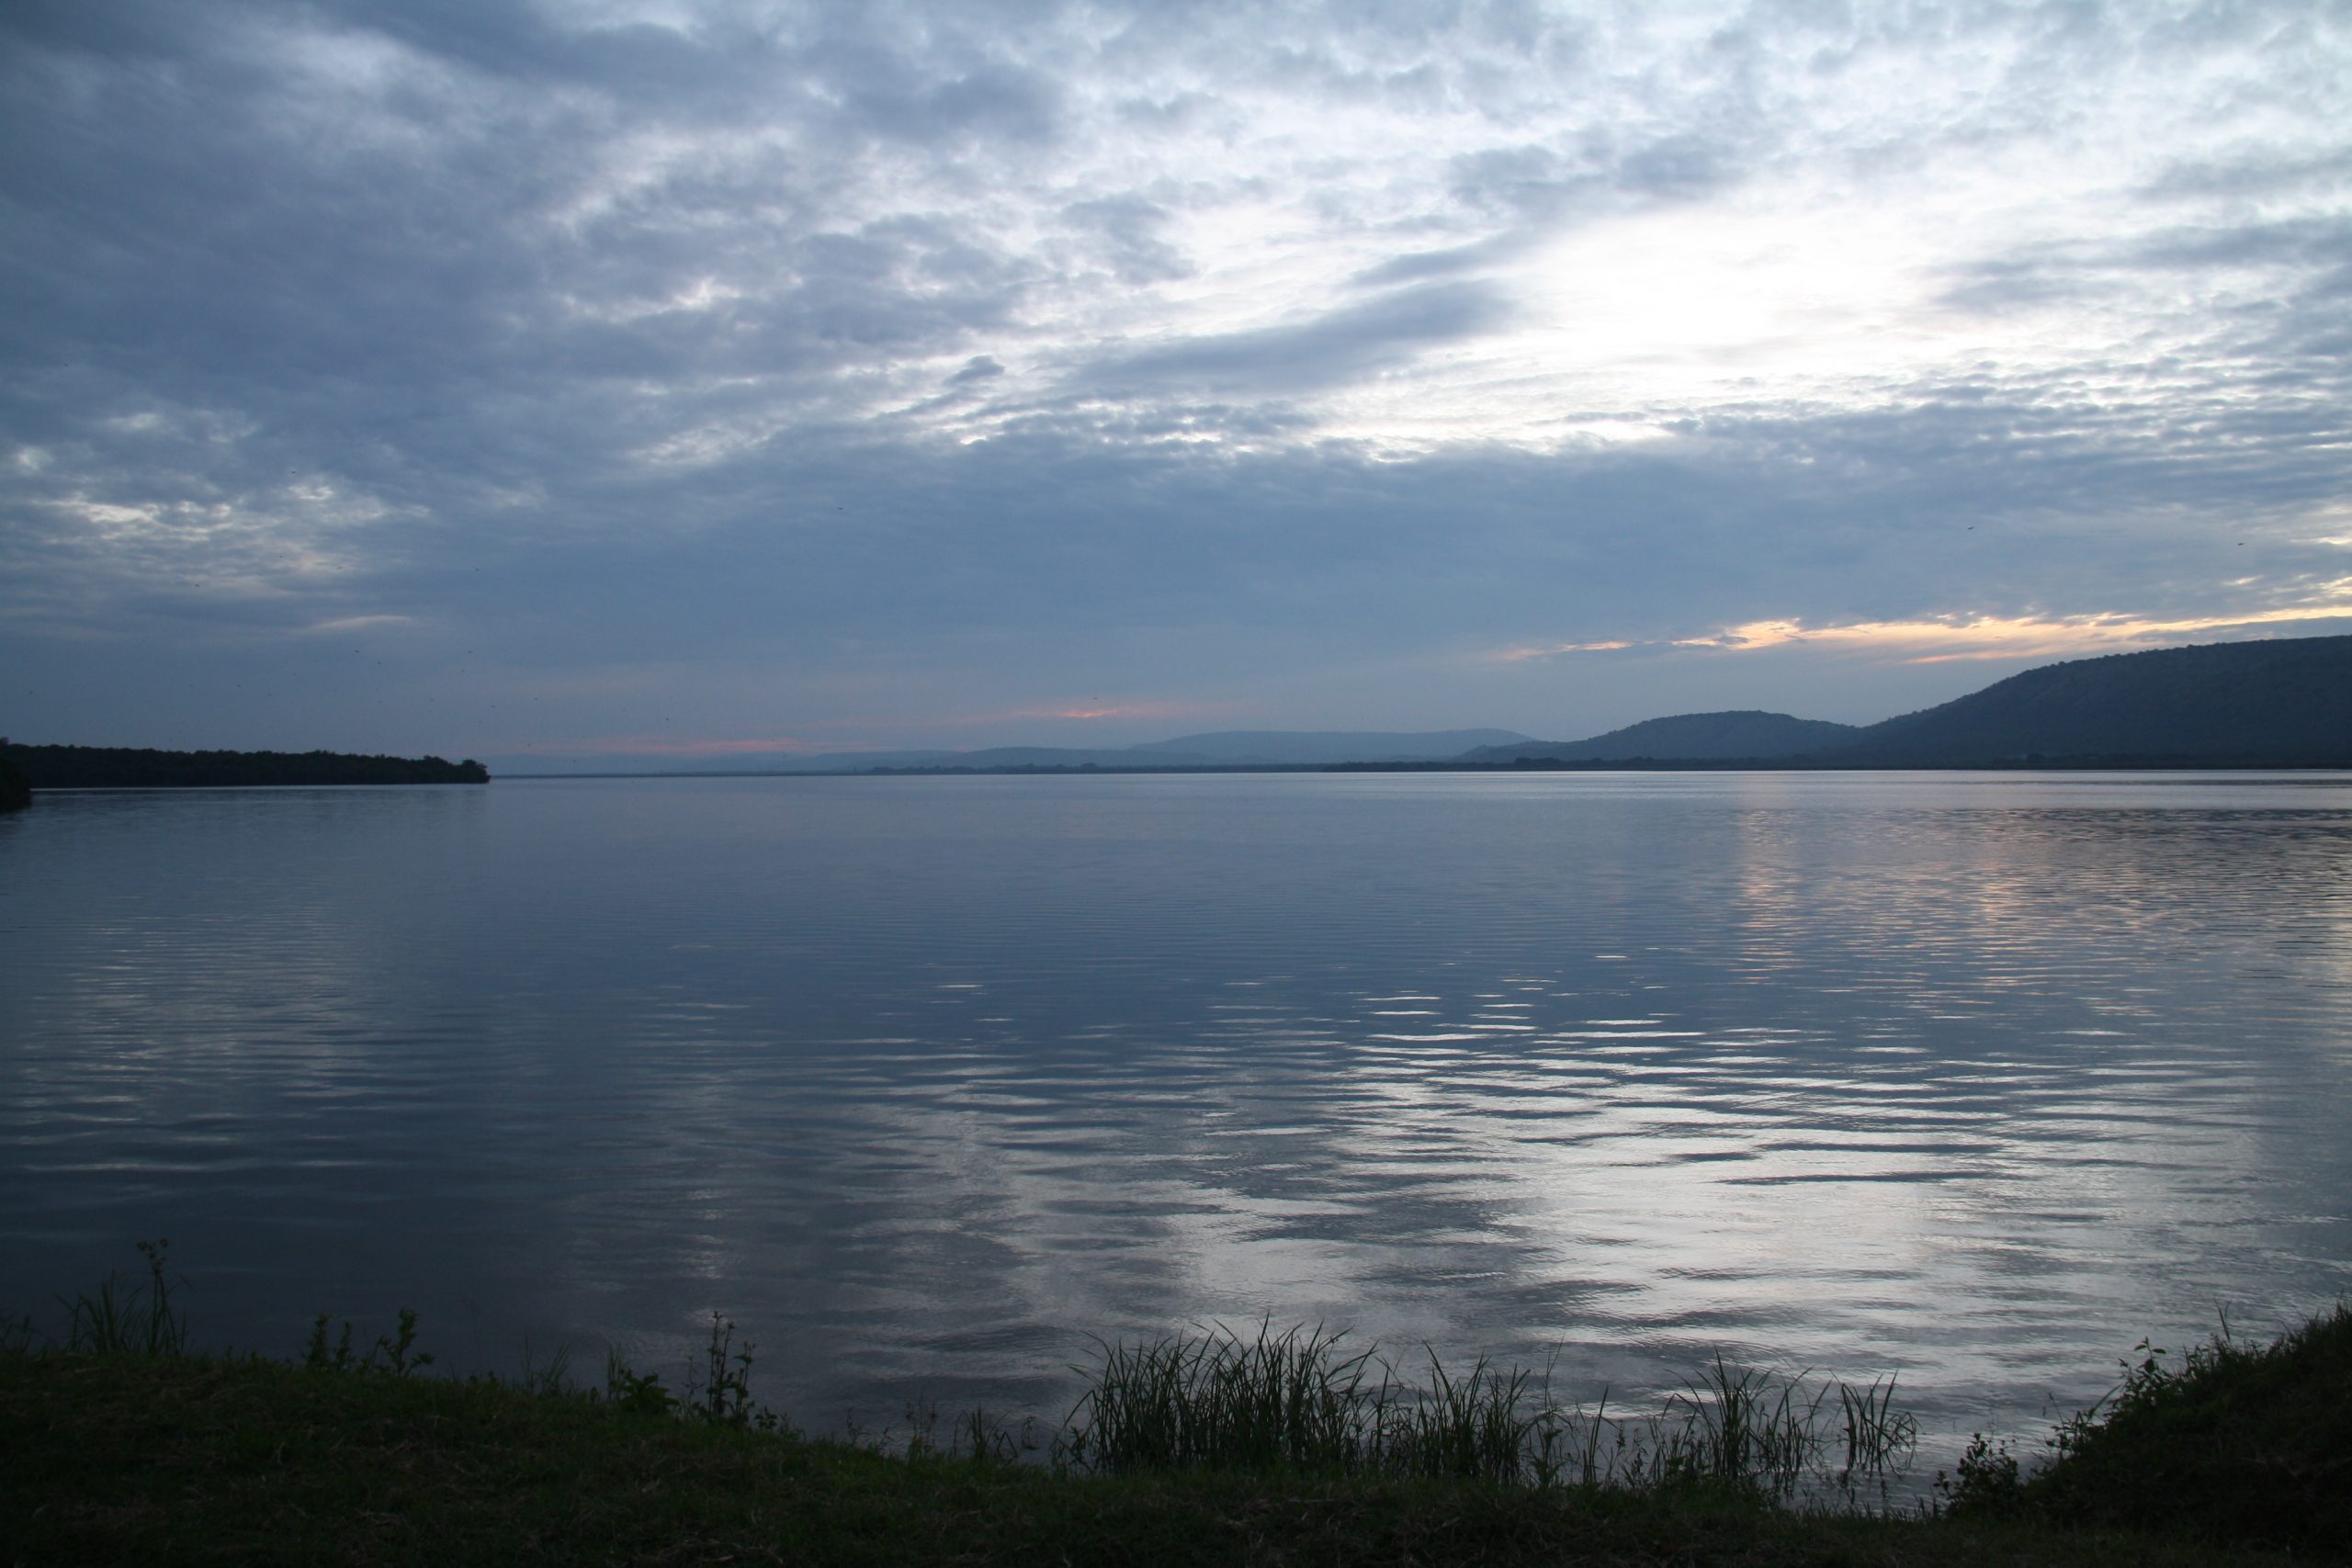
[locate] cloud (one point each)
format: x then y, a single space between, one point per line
348 623
1974 637
1130 233
979 368
1926 642
1338 345
702 369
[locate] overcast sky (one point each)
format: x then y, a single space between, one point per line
643 376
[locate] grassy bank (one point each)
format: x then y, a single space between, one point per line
116 1446
200 1460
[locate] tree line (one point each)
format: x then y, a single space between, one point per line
123 767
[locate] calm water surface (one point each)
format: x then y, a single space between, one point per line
1972 1078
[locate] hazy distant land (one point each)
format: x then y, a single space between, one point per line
2285 703
1690 736
1218 751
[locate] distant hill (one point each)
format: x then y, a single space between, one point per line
991 758
1222 749
1746 734
1310 747
2280 702
122 767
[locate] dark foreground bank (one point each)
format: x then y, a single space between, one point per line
201 1460
119 1448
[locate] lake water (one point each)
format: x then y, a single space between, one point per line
1975 1079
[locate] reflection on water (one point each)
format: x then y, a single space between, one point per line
1972 1078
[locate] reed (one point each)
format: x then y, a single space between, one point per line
1744 1425
1300 1400
1292 1400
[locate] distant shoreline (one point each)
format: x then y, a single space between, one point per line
1632 765
46 768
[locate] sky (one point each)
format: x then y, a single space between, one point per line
649 377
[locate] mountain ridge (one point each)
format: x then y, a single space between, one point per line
2277 702
1690 737
1219 749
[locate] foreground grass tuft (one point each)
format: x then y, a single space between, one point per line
1299 1401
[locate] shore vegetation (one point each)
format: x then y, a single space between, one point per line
120 1442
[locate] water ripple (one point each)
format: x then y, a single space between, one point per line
1975 1078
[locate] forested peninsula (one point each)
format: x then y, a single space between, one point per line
122 767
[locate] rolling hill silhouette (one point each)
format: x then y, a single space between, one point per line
2283 702
1690 736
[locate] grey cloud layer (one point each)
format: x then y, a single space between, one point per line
1340 345
843 340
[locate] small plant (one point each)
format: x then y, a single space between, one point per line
721 1396
923 1433
397 1354
634 1393
318 1358
549 1379
394 1354
1987 1482
125 1318
984 1438
1880 1439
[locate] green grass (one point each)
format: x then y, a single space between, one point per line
119 1446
